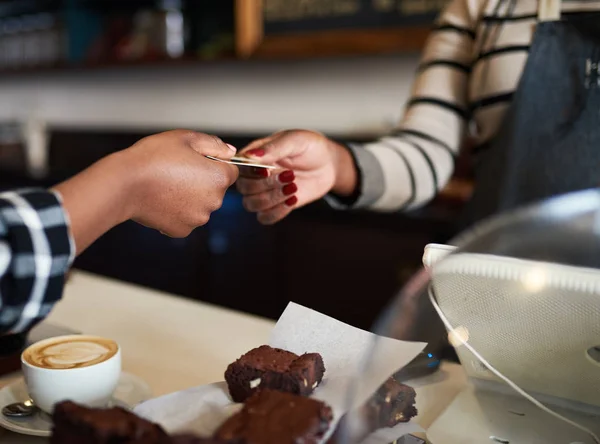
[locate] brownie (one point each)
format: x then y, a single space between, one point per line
392 404
272 368
274 417
75 424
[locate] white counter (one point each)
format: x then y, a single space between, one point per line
175 343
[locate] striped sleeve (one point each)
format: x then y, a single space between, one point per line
406 169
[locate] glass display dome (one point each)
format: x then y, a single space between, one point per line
518 300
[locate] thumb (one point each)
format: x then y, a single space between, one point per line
212 146
272 149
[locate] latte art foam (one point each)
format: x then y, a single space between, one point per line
71 353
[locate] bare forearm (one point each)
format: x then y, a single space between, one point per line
346 179
97 199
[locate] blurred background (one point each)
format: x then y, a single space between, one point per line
80 79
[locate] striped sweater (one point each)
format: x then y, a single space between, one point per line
469 71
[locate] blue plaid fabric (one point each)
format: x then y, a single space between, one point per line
36 251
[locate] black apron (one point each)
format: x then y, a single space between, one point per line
549 142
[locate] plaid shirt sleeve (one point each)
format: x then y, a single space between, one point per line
36 250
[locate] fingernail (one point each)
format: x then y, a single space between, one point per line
291 201
259 152
260 172
289 189
232 148
287 176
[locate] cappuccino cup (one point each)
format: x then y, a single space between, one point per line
80 368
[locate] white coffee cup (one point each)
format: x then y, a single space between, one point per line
82 369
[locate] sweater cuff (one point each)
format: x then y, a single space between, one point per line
370 183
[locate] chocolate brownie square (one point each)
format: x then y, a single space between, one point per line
272 368
273 417
75 424
392 404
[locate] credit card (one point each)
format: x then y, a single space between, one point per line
242 161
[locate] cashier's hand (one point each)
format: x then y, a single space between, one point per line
177 187
310 166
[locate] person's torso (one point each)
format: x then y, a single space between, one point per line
503 37
538 102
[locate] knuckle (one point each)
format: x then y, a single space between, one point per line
273 216
272 182
248 204
267 218
185 232
199 140
216 204
262 201
281 133
196 215
221 180
226 176
254 144
178 232
188 136
143 140
255 203
214 139
234 174
201 219
270 145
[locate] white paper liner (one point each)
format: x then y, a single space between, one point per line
203 409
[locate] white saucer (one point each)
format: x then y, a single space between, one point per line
130 392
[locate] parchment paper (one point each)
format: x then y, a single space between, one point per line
202 410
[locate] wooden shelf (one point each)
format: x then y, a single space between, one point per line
337 43
343 43
302 46
253 40
260 36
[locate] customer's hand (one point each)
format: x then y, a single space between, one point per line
177 186
310 166
163 181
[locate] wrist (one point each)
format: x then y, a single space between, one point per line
346 174
122 180
97 199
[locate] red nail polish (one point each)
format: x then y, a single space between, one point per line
259 152
287 176
289 189
291 201
260 172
